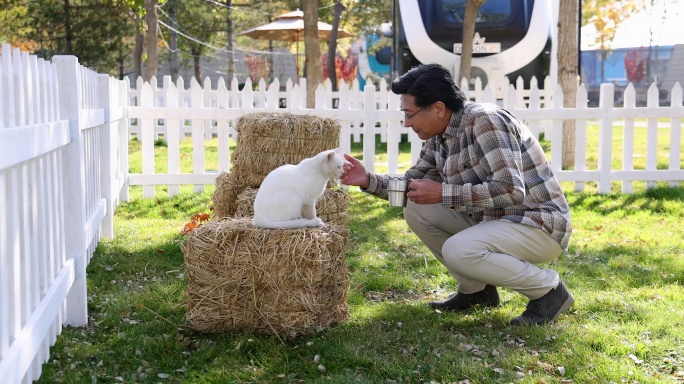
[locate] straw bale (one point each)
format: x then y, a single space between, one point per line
268 140
331 207
241 277
225 196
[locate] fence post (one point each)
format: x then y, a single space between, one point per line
124 138
605 150
107 140
675 131
70 99
369 127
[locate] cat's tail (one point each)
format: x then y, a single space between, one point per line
298 223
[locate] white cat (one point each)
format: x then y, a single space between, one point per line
287 196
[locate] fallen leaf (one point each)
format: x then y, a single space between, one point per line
635 359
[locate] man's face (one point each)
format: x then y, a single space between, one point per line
424 122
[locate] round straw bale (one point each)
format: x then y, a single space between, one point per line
241 277
331 207
267 140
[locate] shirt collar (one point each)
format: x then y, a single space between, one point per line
454 123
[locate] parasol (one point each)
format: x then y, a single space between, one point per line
290 27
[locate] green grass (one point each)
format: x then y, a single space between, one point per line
625 266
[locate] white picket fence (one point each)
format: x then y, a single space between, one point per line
204 112
60 175
64 163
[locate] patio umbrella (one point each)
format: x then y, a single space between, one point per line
290 27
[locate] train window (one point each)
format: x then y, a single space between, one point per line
492 11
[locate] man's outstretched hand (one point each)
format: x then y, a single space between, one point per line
354 173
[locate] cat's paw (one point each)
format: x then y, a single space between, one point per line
317 222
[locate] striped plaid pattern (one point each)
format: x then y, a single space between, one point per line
492 167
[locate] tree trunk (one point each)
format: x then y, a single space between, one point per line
312 48
151 13
173 42
469 19
69 36
332 43
567 73
139 48
229 45
196 58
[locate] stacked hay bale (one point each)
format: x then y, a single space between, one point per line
276 281
265 142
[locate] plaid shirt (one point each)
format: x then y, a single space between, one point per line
491 166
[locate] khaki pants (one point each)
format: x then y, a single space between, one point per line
493 252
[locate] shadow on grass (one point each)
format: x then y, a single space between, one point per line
627 266
653 200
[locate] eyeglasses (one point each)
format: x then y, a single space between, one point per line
410 117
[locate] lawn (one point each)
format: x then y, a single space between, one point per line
625 266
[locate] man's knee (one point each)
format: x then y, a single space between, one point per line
460 253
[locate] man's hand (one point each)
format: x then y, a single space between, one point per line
424 191
354 173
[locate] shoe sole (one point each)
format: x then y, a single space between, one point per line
480 305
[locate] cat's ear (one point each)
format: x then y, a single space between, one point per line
331 155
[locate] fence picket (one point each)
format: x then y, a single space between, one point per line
556 134
173 138
208 103
327 97
369 128
605 137
628 137
320 98
394 131
19 87
14 230
197 134
2 96
272 96
580 135
5 267
534 105
42 92
223 129
147 138
675 131
381 98
25 286
652 134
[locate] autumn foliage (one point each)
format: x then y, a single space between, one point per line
346 67
635 65
195 222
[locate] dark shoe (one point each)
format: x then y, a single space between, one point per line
488 297
546 308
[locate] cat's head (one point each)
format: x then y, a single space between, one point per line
332 163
